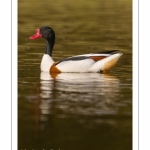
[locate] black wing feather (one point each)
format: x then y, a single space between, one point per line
108 52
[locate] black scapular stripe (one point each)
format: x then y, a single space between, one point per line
76 58
73 59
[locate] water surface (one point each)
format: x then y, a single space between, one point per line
73 111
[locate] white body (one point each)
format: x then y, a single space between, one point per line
85 65
46 63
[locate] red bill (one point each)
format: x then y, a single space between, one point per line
37 35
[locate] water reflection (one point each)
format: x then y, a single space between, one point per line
89 94
72 108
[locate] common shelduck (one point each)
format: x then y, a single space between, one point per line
94 62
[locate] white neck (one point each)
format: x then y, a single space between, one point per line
46 63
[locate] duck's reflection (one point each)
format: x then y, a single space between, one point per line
68 94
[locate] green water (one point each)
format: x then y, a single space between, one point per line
75 111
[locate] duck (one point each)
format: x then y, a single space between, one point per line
99 62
